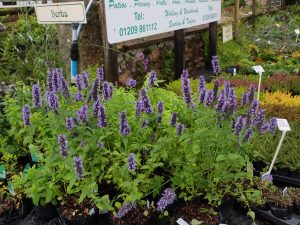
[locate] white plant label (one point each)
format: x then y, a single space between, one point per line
297 31
131 19
227 33
285 191
180 221
61 13
258 69
266 176
283 125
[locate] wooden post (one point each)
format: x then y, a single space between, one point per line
111 72
179 46
253 12
236 17
213 42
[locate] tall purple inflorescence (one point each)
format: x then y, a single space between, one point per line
26 115
49 80
85 79
215 64
124 210
145 101
36 96
78 96
232 102
179 129
239 125
78 166
100 74
102 117
260 120
167 199
131 162
63 145
95 89
131 82
64 87
160 107
96 107
124 126
220 106
70 123
202 95
216 88
227 88
152 79
273 125
52 100
82 114
244 99
209 97
79 82
173 120
248 132
252 110
56 80
251 94
201 84
138 108
186 88
105 90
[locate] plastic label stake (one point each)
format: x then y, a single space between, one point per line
283 126
181 222
258 69
297 31
285 192
10 188
2 172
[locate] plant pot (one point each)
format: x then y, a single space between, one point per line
280 213
45 213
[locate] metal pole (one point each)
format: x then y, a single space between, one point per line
86 11
74 53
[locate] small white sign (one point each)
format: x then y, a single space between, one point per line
283 125
297 31
258 69
227 33
61 13
181 222
285 191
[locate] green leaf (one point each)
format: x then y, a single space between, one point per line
196 222
2 172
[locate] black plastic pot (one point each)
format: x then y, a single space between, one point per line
280 213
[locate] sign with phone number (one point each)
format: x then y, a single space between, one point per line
131 19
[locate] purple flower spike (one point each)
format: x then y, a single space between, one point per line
160 107
167 199
95 89
70 123
124 126
145 101
179 129
209 98
64 87
244 99
100 145
252 110
78 97
232 102
78 166
131 162
63 145
215 64
100 74
85 78
49 80
220 106
111 91
251 93
260 120
79 82
202 84
131 83
138 108
56 80
145 123
239 125
273 125
216 87
82 114
202 95
36 96
96 107
124 210
52 100
248 134
26 115
173 119
227 88
152 79
105 90
186 88
102 117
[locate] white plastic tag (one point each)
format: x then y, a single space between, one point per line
285 191
180 221
283 125
258 69
92 211
297 31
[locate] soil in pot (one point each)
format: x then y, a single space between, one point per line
192 211
136 216
74 213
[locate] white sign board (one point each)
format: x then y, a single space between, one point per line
283 125
130 19
61 13
227 33
258 69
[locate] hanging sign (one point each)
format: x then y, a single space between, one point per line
130 19
227 33
61 13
